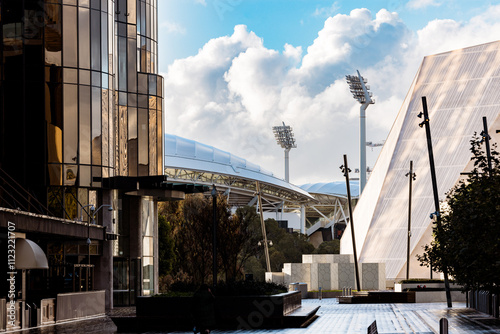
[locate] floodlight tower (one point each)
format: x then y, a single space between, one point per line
284 137
360 92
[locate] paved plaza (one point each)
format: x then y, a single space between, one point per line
339 318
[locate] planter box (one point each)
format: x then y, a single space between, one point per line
399 287
379 297
174 313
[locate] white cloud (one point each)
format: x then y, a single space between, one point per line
234 90
419 4
201 2
327 11
172 27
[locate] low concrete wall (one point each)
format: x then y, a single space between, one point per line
70 306
324 294
438 296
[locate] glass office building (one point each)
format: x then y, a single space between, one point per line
81 124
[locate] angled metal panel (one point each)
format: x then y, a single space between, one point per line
461 87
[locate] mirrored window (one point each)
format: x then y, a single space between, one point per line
95 39
143 155
85 148
53 34
96 126
70 37
152 141
70 130
84 37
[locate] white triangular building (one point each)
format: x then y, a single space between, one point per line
461 87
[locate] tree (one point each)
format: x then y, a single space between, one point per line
469 241
240 234
328 247
166 245
192 230
287 247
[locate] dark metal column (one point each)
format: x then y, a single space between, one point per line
412 177
345 170
214 241
486 138
435 191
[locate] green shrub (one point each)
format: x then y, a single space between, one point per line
249 288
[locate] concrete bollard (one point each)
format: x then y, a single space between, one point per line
443 326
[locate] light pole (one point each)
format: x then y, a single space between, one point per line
214 235
345 169
360 92
412 176
437 214
486 138
284 138
91 217
263 226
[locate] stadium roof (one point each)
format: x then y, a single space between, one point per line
337 189
189 161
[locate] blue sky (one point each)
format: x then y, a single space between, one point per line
235 68
186 25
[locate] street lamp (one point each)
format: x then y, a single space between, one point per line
262 242
284 138
91 216
412 178
436 214
345 170
360 92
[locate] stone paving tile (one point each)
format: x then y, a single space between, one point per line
336 318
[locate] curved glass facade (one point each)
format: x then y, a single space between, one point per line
80 124
80 95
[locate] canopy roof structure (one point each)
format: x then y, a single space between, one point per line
332 204
191 162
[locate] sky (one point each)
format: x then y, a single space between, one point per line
233 69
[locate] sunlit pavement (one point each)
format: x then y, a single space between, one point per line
342 318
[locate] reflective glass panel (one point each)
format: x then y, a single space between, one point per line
132 15
70 38
84 77
152 84
159 137
53 34
132 69
85 176
85 148
104 41
122 63
143 125
96 126
142 83
83 3
84 37
70 130
152 141
95 39
132 123
123 137
70 75
105 128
